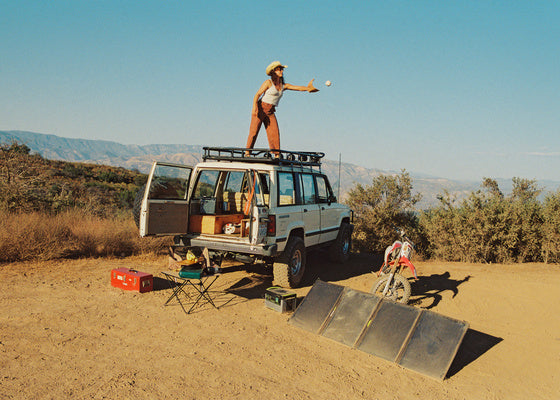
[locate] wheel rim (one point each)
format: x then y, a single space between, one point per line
395 291
295 262
346 245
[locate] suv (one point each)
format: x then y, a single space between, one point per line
250 205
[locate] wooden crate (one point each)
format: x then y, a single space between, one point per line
244 227
212 224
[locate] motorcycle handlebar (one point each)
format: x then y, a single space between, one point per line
402 234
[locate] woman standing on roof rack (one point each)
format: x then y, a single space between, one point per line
265 102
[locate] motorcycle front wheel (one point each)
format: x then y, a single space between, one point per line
399 289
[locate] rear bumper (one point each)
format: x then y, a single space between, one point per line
265 250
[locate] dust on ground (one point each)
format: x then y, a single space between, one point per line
65 332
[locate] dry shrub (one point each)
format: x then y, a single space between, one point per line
74 233
117 236
31 236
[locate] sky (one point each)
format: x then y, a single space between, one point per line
455 89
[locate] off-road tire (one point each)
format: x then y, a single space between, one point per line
289 268
399 290
340 249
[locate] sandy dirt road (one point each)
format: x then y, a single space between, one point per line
65 332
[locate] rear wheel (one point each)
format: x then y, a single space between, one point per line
398 290
290 266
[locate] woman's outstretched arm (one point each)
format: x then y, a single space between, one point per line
309 88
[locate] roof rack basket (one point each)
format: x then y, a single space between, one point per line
267 156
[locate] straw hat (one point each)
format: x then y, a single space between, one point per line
273 65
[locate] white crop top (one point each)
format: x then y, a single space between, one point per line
272 95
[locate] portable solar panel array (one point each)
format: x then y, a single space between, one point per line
417 339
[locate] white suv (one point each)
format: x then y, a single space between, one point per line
264 206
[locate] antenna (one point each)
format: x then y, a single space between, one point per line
339 162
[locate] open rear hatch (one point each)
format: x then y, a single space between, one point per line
165 206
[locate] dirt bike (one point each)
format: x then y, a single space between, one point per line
390 283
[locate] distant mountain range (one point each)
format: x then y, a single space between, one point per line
141 157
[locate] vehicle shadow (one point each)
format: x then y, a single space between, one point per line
474 345
430 288
252 286
320 266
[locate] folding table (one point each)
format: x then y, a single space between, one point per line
193 285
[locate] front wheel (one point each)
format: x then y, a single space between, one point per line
290 266
398 290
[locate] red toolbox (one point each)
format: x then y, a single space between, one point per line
130 279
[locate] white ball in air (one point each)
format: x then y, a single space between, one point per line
328 83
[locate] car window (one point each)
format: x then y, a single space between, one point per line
234 181
322 192
264 190
286 189
324 189
265 182
308 189
206 183
169 182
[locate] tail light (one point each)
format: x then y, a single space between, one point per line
271 226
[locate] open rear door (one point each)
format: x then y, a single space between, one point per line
258 209
165 208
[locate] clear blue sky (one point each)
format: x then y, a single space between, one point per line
457 89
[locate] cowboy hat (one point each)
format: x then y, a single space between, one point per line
273 65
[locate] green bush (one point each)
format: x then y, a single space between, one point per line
550 249
387 203
487 226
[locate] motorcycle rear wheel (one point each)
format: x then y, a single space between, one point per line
399 289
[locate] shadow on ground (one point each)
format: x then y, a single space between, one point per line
162 284
429 289
319 266
474 345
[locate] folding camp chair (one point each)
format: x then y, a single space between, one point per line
193 284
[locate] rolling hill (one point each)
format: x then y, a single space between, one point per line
137 157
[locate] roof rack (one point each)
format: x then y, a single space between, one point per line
267 156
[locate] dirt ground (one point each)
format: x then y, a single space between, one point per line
65 332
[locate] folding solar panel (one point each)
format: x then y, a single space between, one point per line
316 307
387 333
433 344
417 339
349 317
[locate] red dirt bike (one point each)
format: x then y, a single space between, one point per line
390 283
